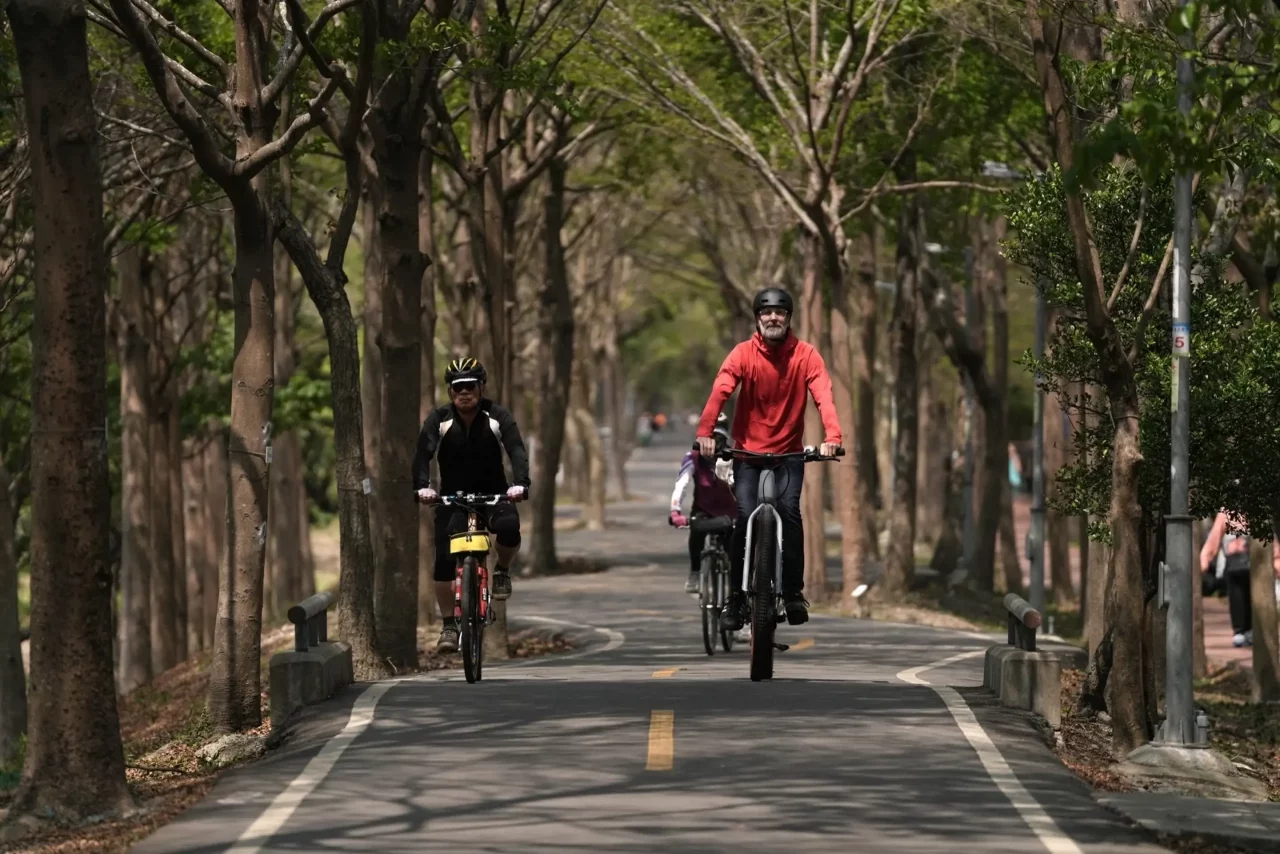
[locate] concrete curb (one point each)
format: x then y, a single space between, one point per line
299 679
1252 825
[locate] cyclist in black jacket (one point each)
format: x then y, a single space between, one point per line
467 438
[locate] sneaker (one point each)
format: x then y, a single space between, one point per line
694 583
501 584
1248 638
796 607
1238 639
733 615
448 643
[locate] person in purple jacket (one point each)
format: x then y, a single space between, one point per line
712 481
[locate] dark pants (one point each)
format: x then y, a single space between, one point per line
503 523
697 541
789 478
1239 601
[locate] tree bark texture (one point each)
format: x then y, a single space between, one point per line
197 534
1057 526
13 680
428 613
864 361
900 560
217 511
178 535
371 375
1266 638
813 494
356 579
164 580
1119 654
135 467
555 382
847 492
75 760
396 134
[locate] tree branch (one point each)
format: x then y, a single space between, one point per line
247 167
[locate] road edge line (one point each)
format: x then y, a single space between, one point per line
266 825
993 762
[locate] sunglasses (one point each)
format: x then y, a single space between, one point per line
463 388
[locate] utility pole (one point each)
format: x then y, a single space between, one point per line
1179 726
1035 537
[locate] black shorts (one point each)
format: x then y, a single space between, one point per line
503 523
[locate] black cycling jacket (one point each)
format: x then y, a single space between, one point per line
471 460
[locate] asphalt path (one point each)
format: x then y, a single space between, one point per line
871 737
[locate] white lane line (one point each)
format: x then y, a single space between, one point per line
616 639
275 815
1044 827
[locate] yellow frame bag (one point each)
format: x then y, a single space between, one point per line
472 541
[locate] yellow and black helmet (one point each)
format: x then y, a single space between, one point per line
465 370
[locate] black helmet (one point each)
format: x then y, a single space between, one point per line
773 298
466 370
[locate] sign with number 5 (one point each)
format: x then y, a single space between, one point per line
1182 339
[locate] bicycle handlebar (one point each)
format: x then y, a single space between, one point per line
470 500
809 455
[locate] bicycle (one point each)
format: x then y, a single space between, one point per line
471 596
713 584
762 574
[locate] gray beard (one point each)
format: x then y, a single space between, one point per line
773 334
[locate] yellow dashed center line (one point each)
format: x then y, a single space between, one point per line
803 643
661 743
667 673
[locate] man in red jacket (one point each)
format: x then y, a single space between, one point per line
776 372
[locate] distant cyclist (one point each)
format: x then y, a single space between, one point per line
712 496
776 373
467 438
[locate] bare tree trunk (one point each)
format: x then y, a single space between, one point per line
397 148
993 476
1098 570
1057 526
812 496
555 382
864 362
356 580
371 381
848 492
235 683
932 506
74 760
13 681
1200 660
428 613
164 580
1010 554
136 563
1266 637
196 534
217 510
178 535
900 561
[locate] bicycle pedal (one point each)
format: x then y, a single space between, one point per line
781 647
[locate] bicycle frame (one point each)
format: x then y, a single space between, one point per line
476 542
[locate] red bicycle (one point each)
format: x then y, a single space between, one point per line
471 598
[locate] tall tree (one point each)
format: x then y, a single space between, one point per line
251 94
13 679
75 760
135 465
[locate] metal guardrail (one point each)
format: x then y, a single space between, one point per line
1023 622
310 619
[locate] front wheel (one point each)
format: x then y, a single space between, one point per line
708 606
472 626
722 595
764 609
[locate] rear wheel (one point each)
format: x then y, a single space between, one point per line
721 586
707 604
763 605
472 639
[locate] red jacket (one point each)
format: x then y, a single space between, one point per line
774 381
